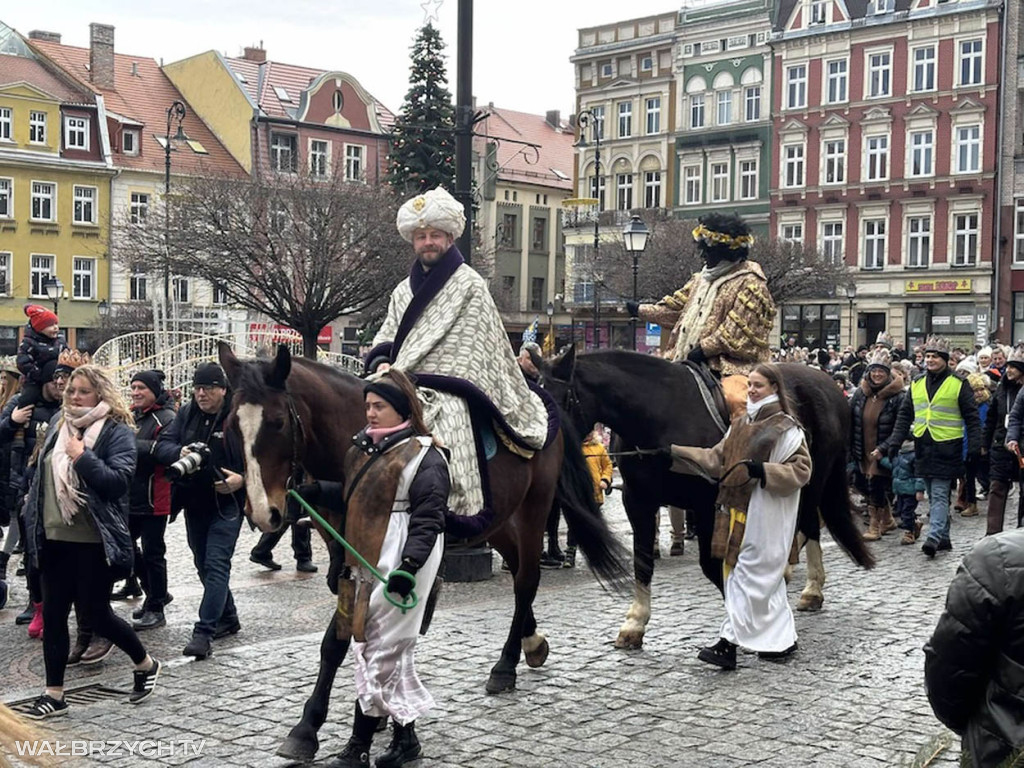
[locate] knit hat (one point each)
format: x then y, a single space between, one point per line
396 398
880 358
435 208
938 345
968 365
1016 359
154 380
40 317
70 359
209 375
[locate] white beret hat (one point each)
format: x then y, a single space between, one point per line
436 209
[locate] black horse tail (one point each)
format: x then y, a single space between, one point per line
606 555
838 517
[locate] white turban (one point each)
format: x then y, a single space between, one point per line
436 209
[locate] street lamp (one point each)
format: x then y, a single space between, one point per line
635 236
103 309
54 290
174 112
586 119
851 294
550 309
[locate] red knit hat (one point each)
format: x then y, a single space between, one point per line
40 317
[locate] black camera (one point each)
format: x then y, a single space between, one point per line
198 454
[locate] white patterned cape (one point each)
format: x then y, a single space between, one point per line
460 334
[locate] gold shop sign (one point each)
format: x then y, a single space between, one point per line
962 285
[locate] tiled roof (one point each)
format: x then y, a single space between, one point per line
143 94
16 69
552 163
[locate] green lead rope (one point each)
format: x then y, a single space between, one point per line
403 606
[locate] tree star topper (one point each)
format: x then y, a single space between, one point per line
430 10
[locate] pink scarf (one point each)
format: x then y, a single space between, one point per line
379 433
67 482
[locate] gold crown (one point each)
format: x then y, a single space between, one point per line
711 237
72 358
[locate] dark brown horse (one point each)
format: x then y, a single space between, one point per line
297 417
651 403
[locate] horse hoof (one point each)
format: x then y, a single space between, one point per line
630 641
537 657
500 683
810 603
298 749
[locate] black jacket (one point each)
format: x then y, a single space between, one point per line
999 409
21 446
974 662
886 419
938 459
36 350
106 472
151 491
195 492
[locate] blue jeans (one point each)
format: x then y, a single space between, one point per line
938 508
212 536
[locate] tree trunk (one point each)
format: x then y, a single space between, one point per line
309 347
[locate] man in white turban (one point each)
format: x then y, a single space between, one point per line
443 326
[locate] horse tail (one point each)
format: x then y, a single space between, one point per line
838 517
605 554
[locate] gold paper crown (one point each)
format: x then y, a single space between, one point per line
72 358
711 237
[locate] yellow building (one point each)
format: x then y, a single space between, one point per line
54 193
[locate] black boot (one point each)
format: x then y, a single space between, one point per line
25 617
721 654
130 589
356 753
404 747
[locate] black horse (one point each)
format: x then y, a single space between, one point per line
652 403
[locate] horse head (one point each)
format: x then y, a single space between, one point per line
560 377
264 415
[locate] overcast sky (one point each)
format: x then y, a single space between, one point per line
521 49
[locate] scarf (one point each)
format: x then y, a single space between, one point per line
754 408
710 274
379 433
67 482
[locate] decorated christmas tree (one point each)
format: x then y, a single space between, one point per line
422 152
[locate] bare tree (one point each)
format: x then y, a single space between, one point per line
301 250
795 271
122 319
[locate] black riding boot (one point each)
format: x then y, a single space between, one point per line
404 747
356 753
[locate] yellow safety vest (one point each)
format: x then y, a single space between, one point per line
941 415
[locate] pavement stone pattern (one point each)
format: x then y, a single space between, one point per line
852 696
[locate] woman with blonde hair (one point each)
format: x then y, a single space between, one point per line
76 524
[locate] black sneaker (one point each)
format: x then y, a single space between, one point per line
721 654
548 561
226 627
199 646
137 613
265 560
149 620
145 682
306 566
930 547
46 706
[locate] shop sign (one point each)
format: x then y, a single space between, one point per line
938 286
282 334
940 320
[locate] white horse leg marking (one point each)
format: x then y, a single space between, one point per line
250 418
639 612
812 597
533 642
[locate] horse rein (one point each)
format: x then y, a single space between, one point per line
297 472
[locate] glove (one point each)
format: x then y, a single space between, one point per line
697 355
310 491
755 469
399 584
633 308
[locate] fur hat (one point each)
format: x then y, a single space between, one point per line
435 208
1016 359
39 317
70 359
884 339
881 357
938 345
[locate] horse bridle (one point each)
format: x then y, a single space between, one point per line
296 471
570 400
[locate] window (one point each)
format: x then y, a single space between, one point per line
652 189
877 155
625 119
965 239
606 70
282 94
922 146
597 191
319 157
752 101
653 115
1018 241
85 205
836 81
283 152
598 121
5 272
537 293
968 149
884 6
137 287
832 242
970 62
796 87
793 170
879 71
624 191
41 268
874 243
646 63
724 99
719 182
818 12
793 233
218 294
509 227
6 198
924 69
835 162
179 290
76 133
36 127
6 128
130 142
539 241
44 201
138 209
354 162
748 179
693 183
919 241
83 274
697 111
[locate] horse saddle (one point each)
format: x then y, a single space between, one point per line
725 399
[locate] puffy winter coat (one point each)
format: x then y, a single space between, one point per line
599 464
106 472
974 662
36 350
151 491
21 446
905 481
999 411
892 394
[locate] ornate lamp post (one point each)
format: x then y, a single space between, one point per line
851 294
587 119
635 236
174 112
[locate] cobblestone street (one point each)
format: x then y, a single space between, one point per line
852 696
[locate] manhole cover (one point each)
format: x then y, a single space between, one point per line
83 696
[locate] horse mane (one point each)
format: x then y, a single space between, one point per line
253 373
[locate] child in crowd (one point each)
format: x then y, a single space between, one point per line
41 344
909 490
600 466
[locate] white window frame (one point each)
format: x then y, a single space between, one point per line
6 197
36 127
794 168
180 289
319 160
76 126
876 157
39 273
698 108
92 200
833 241
970 62
878 74
625 112
647 63
652 189
818 12
796 86
623 191
720 191
279 152
877 238
968 148
6 259
919 241
792 232
723 107
138 207
752 103
218 294
1018 234
927 68
966 238
693 184
652 120
749 181
137 281
7 124
926 150
83 268
52 197
607 70
833 153
599 120
355 162
837 82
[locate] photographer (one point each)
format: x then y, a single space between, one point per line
209 490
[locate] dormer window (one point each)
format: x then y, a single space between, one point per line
883 6
130 142
76 133
818 12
